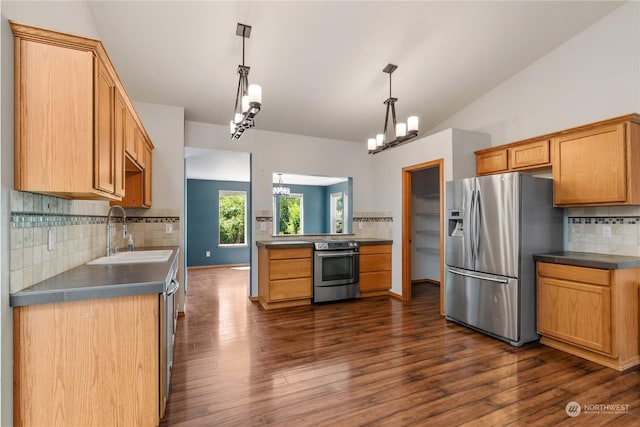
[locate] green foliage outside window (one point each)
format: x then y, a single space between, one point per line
290 218
232 217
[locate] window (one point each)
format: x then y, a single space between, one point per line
339 207
289 218
233 217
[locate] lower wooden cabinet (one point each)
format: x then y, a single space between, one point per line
375 270
284 277
590 312
91 362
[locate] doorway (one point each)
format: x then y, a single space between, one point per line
422 227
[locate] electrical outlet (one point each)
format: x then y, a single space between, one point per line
360 225
263 226
51 240
207 254
168 228
606 231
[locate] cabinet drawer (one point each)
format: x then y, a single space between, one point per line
377 280
290 289
493 161
575 312
290 253
375 262
375 249
289 268
529 155
594 276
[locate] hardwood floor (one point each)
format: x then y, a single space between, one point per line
375 361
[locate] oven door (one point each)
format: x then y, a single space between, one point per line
333 268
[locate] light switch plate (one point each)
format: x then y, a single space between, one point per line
606 231
168 228
360 226
51 240
263 226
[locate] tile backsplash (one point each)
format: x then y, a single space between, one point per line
78 230
585 230
377 225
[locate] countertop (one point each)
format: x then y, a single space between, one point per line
99 281
274 244
585 259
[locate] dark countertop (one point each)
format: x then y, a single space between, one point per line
99 281
585 259
274 244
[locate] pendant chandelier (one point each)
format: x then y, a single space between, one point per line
248 97
399 132
280 189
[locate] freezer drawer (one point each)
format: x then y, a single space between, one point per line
486 302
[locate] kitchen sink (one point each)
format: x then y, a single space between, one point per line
134 257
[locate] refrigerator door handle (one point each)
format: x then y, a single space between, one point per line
472 232
478 276
478 218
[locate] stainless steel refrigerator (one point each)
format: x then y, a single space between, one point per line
494 225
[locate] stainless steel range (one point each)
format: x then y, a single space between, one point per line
336 265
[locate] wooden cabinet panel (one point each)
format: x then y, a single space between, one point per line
289 268
140 148
92 368
50 149
592 313
526 156
131 130
119 120
575 312
290 289
375 270
284 277
375 281
590 167
490 162
147 177
104 144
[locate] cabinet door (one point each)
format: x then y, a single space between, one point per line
104 163
130 132
575 312
147 177
119 121
493 161
140 148
531 155
590 167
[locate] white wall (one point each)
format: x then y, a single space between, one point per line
593 76
456 147
71 17
280 152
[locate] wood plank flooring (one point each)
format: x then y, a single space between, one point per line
374 362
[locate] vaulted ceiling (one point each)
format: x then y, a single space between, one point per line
320 63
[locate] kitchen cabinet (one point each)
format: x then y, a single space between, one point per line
590 312
492 161
284 276
518 156
138 181
375 270
598 165
69 105
89 362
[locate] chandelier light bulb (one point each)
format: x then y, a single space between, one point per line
255 93
237 118
401 129
412 123
379 140
245 103
371 144
232 127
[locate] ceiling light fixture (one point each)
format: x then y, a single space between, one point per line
400 132
281 190
248 97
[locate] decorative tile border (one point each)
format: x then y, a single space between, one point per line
604 220
372 219
32 220
264 219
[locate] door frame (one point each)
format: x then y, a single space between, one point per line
406 226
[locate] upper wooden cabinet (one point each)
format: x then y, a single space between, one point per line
599 165
519 156
71 118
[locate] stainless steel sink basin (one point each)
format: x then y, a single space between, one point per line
135 257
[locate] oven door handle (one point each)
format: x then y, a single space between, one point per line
175 285
330 254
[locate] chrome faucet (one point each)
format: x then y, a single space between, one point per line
124 226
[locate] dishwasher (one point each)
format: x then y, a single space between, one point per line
167 331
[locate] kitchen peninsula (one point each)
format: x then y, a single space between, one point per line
89 345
